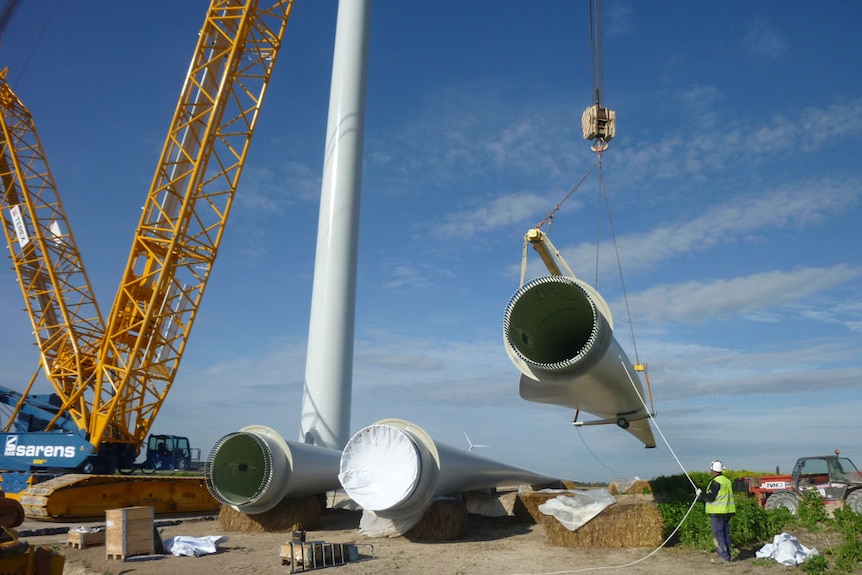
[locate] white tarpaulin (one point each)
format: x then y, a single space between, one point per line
787 550
578 507
381 468
372 525
193 546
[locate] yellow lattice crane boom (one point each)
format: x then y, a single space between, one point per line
66 320
112 377
183 218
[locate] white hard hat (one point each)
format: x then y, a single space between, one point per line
716 466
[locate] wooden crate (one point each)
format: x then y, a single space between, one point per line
129 531
81 540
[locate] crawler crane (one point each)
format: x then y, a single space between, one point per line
110 379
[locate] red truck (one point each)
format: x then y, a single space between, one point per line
835 478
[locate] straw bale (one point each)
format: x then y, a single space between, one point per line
570 484
490 503
639 486
633 521
445 520
291 514
526 507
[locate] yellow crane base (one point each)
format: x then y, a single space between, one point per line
77 497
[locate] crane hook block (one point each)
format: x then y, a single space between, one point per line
599 123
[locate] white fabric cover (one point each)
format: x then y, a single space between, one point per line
578 507
787 550
372 525
380 467
182 545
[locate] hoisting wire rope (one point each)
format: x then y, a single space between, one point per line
593 453
7 16
550 217
603 194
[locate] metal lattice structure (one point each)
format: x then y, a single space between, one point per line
114 377
59 299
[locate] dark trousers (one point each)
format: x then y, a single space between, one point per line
721 534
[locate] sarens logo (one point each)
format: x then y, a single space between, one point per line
12 449
11 443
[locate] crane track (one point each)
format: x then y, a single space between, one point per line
76 497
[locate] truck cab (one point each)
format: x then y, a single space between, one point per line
833 477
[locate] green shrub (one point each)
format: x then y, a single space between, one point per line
848 554
815 565
753 526
812 512
778 520
749 526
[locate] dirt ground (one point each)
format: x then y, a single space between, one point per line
498 546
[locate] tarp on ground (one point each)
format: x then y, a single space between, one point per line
787 550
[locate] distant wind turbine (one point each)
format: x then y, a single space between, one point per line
470 444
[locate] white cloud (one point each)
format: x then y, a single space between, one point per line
498 212
764 42
404 276
463 132
740 219
699 301
736 144
619 20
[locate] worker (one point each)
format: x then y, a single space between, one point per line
720 507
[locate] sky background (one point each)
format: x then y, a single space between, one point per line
733 185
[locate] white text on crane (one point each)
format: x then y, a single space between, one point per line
12 449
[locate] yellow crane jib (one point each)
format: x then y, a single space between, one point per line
183 218
549 254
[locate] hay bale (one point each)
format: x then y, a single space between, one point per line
570 484
490 503
526 507
291 514
639 486
633 521
445 520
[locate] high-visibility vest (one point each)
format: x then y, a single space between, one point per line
724 501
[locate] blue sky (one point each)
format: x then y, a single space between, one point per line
733 182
